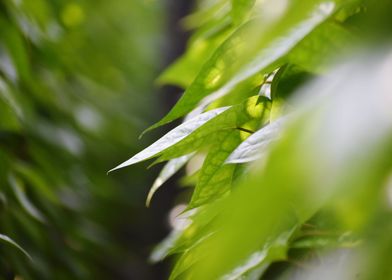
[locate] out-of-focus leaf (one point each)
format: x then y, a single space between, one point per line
234 61
8 240
347 176
172 137
286 81
173 241
18 188
316 51
36 179
256 145
240 8
207 13
189 180
167 171
273 251
9 99
15 46
319 240
184 70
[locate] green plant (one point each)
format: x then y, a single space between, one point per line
75 84
289 103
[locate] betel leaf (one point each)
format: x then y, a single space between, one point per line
235 61
167 171
8 240
172 137
256 145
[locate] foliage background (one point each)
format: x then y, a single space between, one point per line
76 89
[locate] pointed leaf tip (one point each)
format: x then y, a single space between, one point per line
172 137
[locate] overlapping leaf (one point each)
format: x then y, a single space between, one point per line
234 61
231 119
257 144
172 137
283 194
220 136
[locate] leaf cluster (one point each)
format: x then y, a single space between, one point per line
288 103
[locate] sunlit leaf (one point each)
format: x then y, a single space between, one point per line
256 145
172 137
234 61
282 193
230 120
214 178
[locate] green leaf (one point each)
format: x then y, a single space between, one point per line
215 178
207 13
8 97
16 49
287 80
8 240
18 188
272 251
318 50
240 9
257 145
331 156
230 120
184 70
167 171
234 61
309 241
172 137
173 242
37 180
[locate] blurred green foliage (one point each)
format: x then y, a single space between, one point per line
292 173
286 140
75 89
